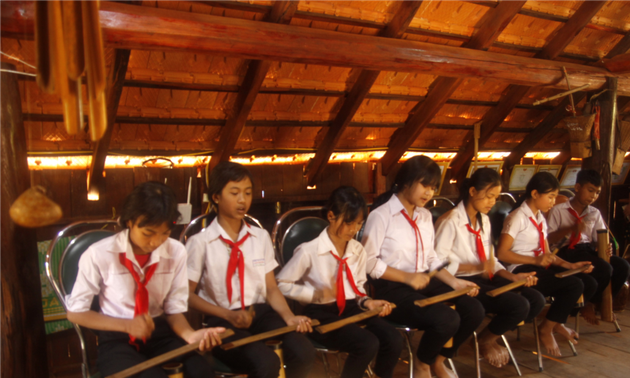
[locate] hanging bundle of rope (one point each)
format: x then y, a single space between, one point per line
69 44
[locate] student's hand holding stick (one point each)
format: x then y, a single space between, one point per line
443 265
584 267
529 278
373 304
240 319
141 327
417 280
263 336
206 338
302 323
165 357
545 259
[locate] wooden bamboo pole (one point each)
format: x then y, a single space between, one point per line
506 288
607 300
445 296
568 273
163 358
262 336
351 319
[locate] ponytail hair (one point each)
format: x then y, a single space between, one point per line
346 202
542 182
417 169
483 178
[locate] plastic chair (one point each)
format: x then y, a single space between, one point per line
68 268
438 211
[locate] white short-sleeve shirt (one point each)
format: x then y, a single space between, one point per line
102 274
390 240
208 258
312 268
560 217
453 241
526 238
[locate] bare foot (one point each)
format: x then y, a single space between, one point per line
492 354
441 371
588 313
567 333
546 337
421 370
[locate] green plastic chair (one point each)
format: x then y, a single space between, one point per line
68 268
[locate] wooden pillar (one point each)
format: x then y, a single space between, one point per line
602 159
23 334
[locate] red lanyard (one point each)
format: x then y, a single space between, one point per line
142 294
341 294
575 237
236 261
541 237
417 233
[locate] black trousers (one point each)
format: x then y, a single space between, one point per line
616 273
565 291
439 322
378 338
509 308
258 360
116 354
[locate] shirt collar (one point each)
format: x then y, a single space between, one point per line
122 245
463 216
395 206
325 246
529 213
215 230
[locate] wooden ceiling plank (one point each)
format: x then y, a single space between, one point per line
133 27
493 22
281 12
358 93
621 47
619 64
116 80
515 93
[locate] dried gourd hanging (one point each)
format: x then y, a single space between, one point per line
69 44
34 209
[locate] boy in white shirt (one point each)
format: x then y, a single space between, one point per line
579 222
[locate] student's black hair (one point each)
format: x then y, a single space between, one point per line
154 202
542 182
589 176
347 202
222 174
483 178
418 168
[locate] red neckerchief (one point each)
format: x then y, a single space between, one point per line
341 294
236 261
142 294
417 233
479 243
575 237
541 237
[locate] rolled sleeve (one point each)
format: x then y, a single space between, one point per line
86 286
291 275
270 257
511 227
373 236
444 240
176 301
196 251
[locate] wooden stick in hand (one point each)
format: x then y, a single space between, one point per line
265 335
506 288
444 297
440 267
164 357
351 319
571 272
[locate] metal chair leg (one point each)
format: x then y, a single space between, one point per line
408 342
477 355
507 346
325 362
617 325
369 371
450 362
538 351
572 348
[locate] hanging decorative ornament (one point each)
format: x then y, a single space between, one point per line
34 209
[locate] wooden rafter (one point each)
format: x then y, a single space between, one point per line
281 13
360 89
493 22
539 132
116 80
621 47
515 93
126 26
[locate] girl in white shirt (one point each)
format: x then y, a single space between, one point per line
139 275
328 274
523 245
398 239
230 271
463 235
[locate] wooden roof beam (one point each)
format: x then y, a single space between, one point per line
619 64
360 89
133 27
281 13
515 93
493 22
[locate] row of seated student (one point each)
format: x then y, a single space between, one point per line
145 281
